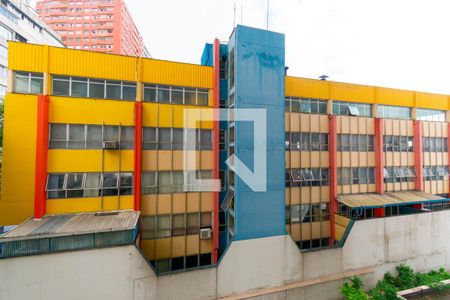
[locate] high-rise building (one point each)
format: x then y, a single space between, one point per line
102 25
19 22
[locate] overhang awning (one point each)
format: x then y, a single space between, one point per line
388 199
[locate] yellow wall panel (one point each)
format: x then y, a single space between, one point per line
389 96
77 205
352 92
432 101
174 73
26 57
18 168
303 87
91 111
92 64
60 160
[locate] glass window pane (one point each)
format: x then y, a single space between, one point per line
178 225
74 184
111 133
21 82
177 96
55 181
177 139
113 90
58 136
129 91
190 97
61 86
148 183
163 94
127 137
94 137
164 138
126 183
163 229
91 185
97 89
164 184
37 85
192 223
148 227
150 94
110 180
149 138
202 98
79 87
76 136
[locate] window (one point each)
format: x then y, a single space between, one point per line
303 141
352 109
399 174
148 227
398 143
307 177
306 105
28 83
306 213
222 139
93 88
222 180
435 144
394 112
435 173
175 95
77 185
361 175
430 115
173 139
355 142
76 136
164 182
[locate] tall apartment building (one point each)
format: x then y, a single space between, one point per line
112 136
19 22
97 25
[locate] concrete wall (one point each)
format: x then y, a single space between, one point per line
269 268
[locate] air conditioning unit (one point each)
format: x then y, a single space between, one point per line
205 233
110 145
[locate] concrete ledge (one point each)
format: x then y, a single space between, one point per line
301 284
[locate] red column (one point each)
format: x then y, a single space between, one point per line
378 212
332 149
216 100
379 156
137 155
418 155
40 175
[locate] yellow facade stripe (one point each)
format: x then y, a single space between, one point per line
312 88
91 111
77 205
175 73
171 115
69 161
71 62
19 153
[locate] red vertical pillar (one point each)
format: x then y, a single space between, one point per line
40 175
332 149
137 155
216 124
379 156
418 155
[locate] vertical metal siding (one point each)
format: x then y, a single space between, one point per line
26 57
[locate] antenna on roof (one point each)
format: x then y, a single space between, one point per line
234 15
242 13
323 77
267 20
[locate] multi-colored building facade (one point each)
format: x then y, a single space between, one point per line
104 26
113 135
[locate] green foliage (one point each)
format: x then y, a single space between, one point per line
353 290
387 288
406 278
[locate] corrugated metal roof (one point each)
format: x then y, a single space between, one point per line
387 199
73 224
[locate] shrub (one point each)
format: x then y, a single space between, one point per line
353 290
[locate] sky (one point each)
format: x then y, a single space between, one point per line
393 43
